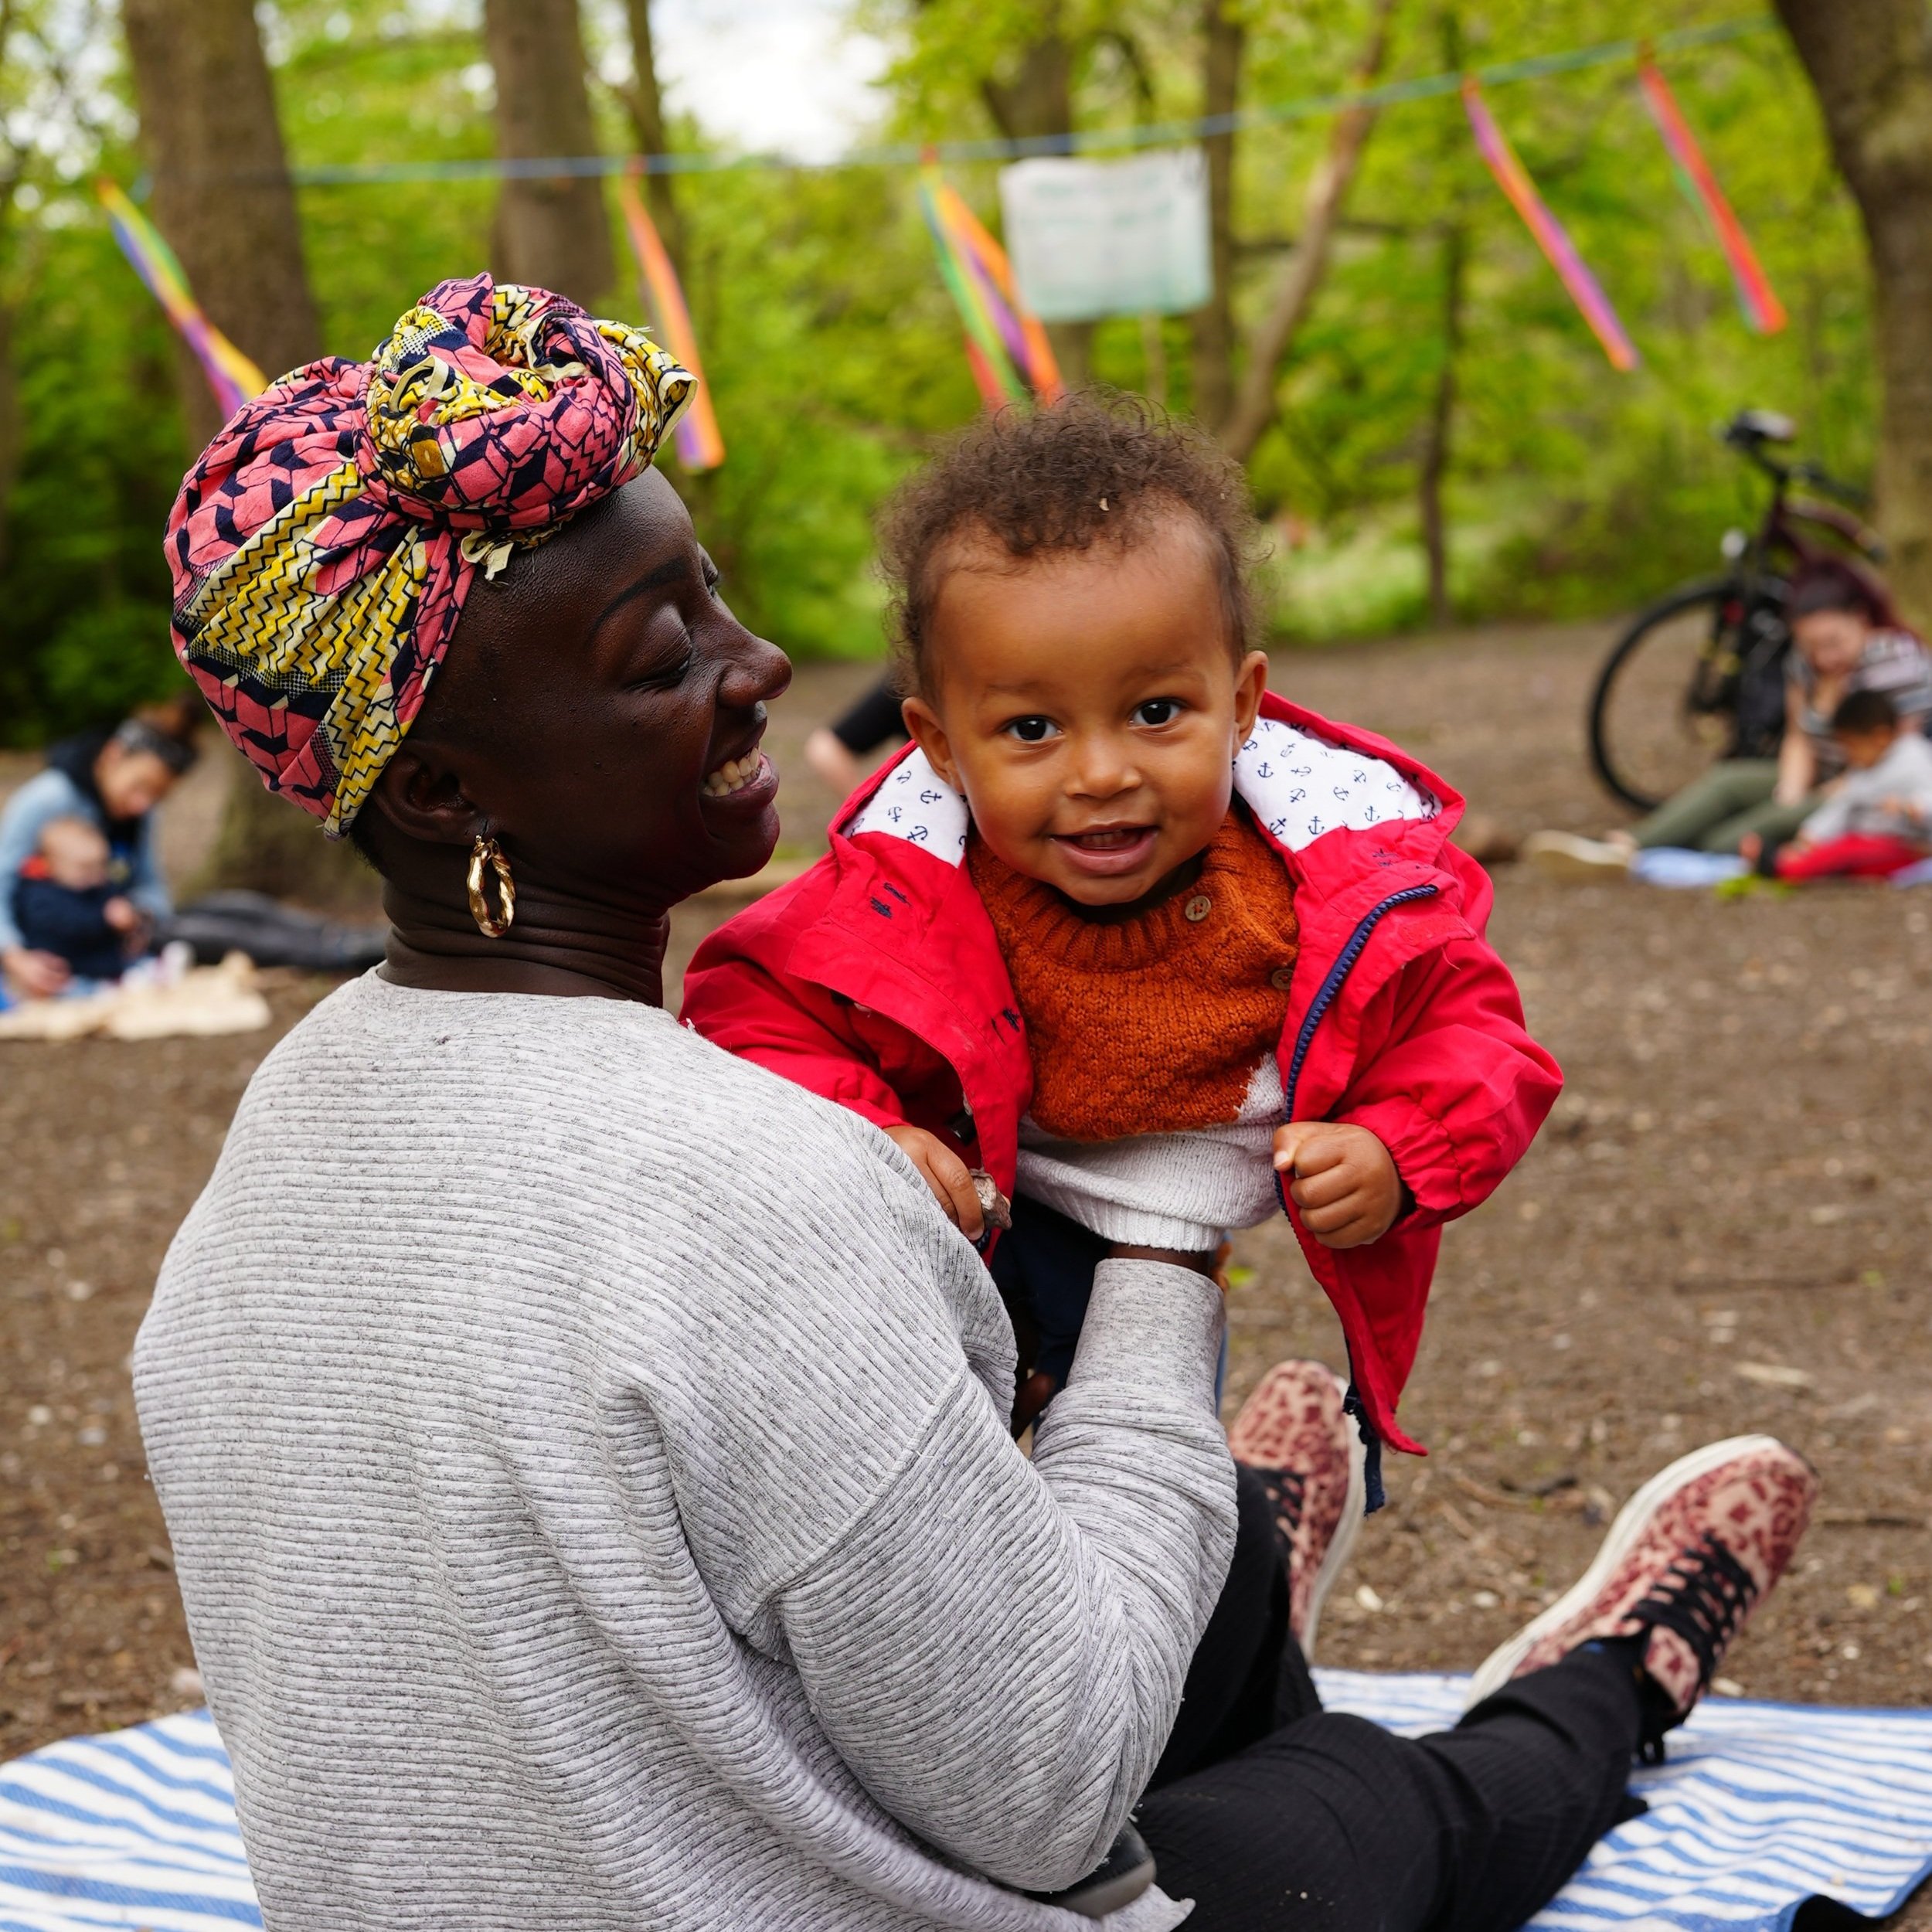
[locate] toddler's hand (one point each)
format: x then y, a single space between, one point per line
946 1175
122 914
1345 1184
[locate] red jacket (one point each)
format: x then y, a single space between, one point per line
875 981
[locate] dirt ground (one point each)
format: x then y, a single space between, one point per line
1725 1227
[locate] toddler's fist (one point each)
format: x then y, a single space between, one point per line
1344 1186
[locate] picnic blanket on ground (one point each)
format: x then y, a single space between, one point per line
1760 1806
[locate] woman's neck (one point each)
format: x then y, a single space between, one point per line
558 947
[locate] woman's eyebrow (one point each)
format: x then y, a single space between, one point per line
668 572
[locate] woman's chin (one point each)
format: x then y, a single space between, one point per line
743 825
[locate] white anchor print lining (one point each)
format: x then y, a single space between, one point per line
1299 785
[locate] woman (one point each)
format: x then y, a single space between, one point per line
113 781
1845 637
587 1454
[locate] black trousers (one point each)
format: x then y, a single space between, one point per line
1271 1813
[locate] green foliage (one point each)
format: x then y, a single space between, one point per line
834 356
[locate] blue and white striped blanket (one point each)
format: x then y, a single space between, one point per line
1760 1806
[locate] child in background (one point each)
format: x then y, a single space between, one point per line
1158 950
1877 819
67 902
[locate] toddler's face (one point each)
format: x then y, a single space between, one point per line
1087 705
75 854
1863 749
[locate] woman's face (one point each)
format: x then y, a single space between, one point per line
130 783
1832 640
604 709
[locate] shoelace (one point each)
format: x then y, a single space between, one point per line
1703 1597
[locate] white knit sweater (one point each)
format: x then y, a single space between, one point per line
585 1457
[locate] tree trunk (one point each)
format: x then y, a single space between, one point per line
1038 100
1870 63
1294 292
222 197
1434 467
1212 325
549 233
645 102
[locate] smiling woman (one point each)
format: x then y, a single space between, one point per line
585 1453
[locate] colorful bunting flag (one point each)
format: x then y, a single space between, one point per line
233 377
1513 178
699 443
1762 311
1006 348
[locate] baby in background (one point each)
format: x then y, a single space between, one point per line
1877 818
67 902
1156 950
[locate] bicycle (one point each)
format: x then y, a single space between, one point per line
1700 674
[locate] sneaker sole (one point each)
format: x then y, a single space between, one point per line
1572 868
1336 1557
1500 1665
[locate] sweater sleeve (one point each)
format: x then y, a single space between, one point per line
996 1648
147 887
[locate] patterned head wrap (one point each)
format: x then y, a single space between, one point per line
323 546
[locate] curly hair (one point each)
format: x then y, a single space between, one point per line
1098 469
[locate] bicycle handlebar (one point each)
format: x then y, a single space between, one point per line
1822 480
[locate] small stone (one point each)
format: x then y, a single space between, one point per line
186 1682
1368 1598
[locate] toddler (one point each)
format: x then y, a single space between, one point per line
1878 817
1160 952
67 901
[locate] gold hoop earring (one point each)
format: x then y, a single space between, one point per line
486 851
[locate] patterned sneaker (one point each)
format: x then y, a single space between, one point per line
1291 1432
1688 1559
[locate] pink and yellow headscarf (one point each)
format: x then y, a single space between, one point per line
323 546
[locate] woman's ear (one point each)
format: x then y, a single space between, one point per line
424 799
928 732
1250 681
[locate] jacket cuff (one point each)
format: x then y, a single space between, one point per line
1154 1325
1425 1158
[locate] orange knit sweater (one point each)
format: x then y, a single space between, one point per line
1155 1024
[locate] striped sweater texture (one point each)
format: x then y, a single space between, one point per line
584 1456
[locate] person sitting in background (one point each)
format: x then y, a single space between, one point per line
1877 818
67 901
111 781
838 753
1846 637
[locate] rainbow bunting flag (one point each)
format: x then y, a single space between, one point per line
1762 311
700 444
1006 348
1513 178
233 377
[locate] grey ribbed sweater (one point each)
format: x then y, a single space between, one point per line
584 1457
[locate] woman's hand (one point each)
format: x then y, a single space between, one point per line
946 1175
1797 755
1345 1184
38 975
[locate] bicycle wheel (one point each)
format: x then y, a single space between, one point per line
1661 710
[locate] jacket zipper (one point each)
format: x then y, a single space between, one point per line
1325 995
